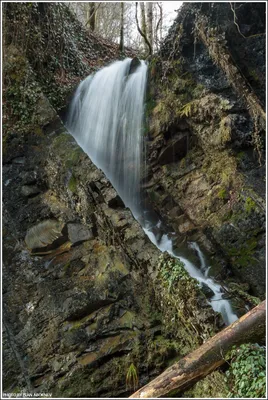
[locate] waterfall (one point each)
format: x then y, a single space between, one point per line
105 118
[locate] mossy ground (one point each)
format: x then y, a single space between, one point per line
212 386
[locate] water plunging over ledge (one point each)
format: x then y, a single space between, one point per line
106 119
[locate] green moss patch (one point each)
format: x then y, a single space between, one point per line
72 184
180 297
243 255
250 205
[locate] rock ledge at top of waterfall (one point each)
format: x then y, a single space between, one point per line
135 63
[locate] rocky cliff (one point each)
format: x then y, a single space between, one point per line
81 279
206 138
88 306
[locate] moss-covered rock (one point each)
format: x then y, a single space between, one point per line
184 305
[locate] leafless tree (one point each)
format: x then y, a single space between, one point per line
143 21
149 9
121 45
141 32
105 19
158 27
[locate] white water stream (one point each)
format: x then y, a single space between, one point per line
106 119
217 302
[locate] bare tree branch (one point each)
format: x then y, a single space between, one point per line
95 9
235 18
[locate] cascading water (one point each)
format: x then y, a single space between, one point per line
106 119
218 303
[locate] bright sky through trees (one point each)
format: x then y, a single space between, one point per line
169 7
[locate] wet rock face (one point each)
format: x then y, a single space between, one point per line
205 188
246 46
78 233
174 151
79 278
135 63
207 291
77 299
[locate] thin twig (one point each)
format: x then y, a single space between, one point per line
235 18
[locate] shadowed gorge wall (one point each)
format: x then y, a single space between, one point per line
206 138
87 297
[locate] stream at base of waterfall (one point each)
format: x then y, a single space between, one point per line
106 119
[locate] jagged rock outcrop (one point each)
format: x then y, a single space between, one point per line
200 105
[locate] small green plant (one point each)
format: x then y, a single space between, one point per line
244 254
72 185
183 163
187 110
254 75
222 194
225 130
225 177
225 105
250 205
246 376
132 380
240 156
197 92
172 271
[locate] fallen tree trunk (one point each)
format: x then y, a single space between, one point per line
209 356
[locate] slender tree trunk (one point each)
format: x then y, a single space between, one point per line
92 16
208 357
121 45
159 27
149 7
141 32
143 23
161 22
